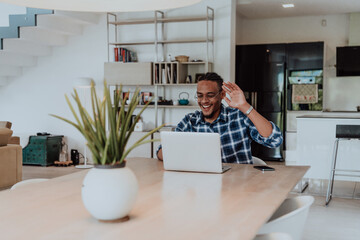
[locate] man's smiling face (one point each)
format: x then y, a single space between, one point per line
209 99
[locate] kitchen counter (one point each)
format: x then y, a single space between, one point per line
315 138
344 115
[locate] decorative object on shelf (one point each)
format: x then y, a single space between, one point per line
146 97
188 79
184 101
165 102
139 126
109 189
197 76
103 5
182 58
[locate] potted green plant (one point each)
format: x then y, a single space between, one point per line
110 188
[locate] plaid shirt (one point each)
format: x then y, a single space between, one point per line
236 133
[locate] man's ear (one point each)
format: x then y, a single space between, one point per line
222 94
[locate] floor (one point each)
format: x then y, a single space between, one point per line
339 221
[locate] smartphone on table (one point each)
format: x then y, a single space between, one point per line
264 168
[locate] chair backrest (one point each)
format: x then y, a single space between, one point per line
28 182
258 161
290 217
347 131
273 236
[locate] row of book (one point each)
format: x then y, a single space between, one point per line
165 75
124 55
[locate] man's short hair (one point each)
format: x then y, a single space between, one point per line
212 76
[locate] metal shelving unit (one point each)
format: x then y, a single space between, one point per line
159 22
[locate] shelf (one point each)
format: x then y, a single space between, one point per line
177 84
133 22
170 106
131 43
202 40
194 63
160 20
161 42
184 19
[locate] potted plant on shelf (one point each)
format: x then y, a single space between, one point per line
109 189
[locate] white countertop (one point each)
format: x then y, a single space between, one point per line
342 115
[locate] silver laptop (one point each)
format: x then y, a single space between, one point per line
189 151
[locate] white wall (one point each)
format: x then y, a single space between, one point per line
28 100
6 9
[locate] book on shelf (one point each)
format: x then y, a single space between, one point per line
163 76
174 75
156 74
168 75
116 54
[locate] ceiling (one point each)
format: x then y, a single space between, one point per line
254 9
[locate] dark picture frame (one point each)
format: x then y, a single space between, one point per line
198 75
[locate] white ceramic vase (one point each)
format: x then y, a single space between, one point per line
109 193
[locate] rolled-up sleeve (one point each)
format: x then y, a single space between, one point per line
274 140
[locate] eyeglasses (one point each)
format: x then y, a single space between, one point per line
210 96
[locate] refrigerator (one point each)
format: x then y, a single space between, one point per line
263 82
262 72
269 101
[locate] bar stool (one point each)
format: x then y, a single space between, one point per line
343 132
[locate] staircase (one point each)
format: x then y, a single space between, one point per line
33 35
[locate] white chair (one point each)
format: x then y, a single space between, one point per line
290 217
258 161
273 236
28 182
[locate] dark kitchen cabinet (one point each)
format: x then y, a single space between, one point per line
254 61
305 56
263 53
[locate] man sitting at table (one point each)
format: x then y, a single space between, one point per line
237 124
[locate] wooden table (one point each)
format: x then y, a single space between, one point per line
170 205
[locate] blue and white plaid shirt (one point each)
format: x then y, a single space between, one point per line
236 133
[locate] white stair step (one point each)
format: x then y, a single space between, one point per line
3 81
80 17
43 36
12 71
59 24
22 46
15 59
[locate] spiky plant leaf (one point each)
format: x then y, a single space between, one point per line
108 145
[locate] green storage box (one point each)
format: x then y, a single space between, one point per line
42 150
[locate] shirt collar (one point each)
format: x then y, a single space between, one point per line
221 118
